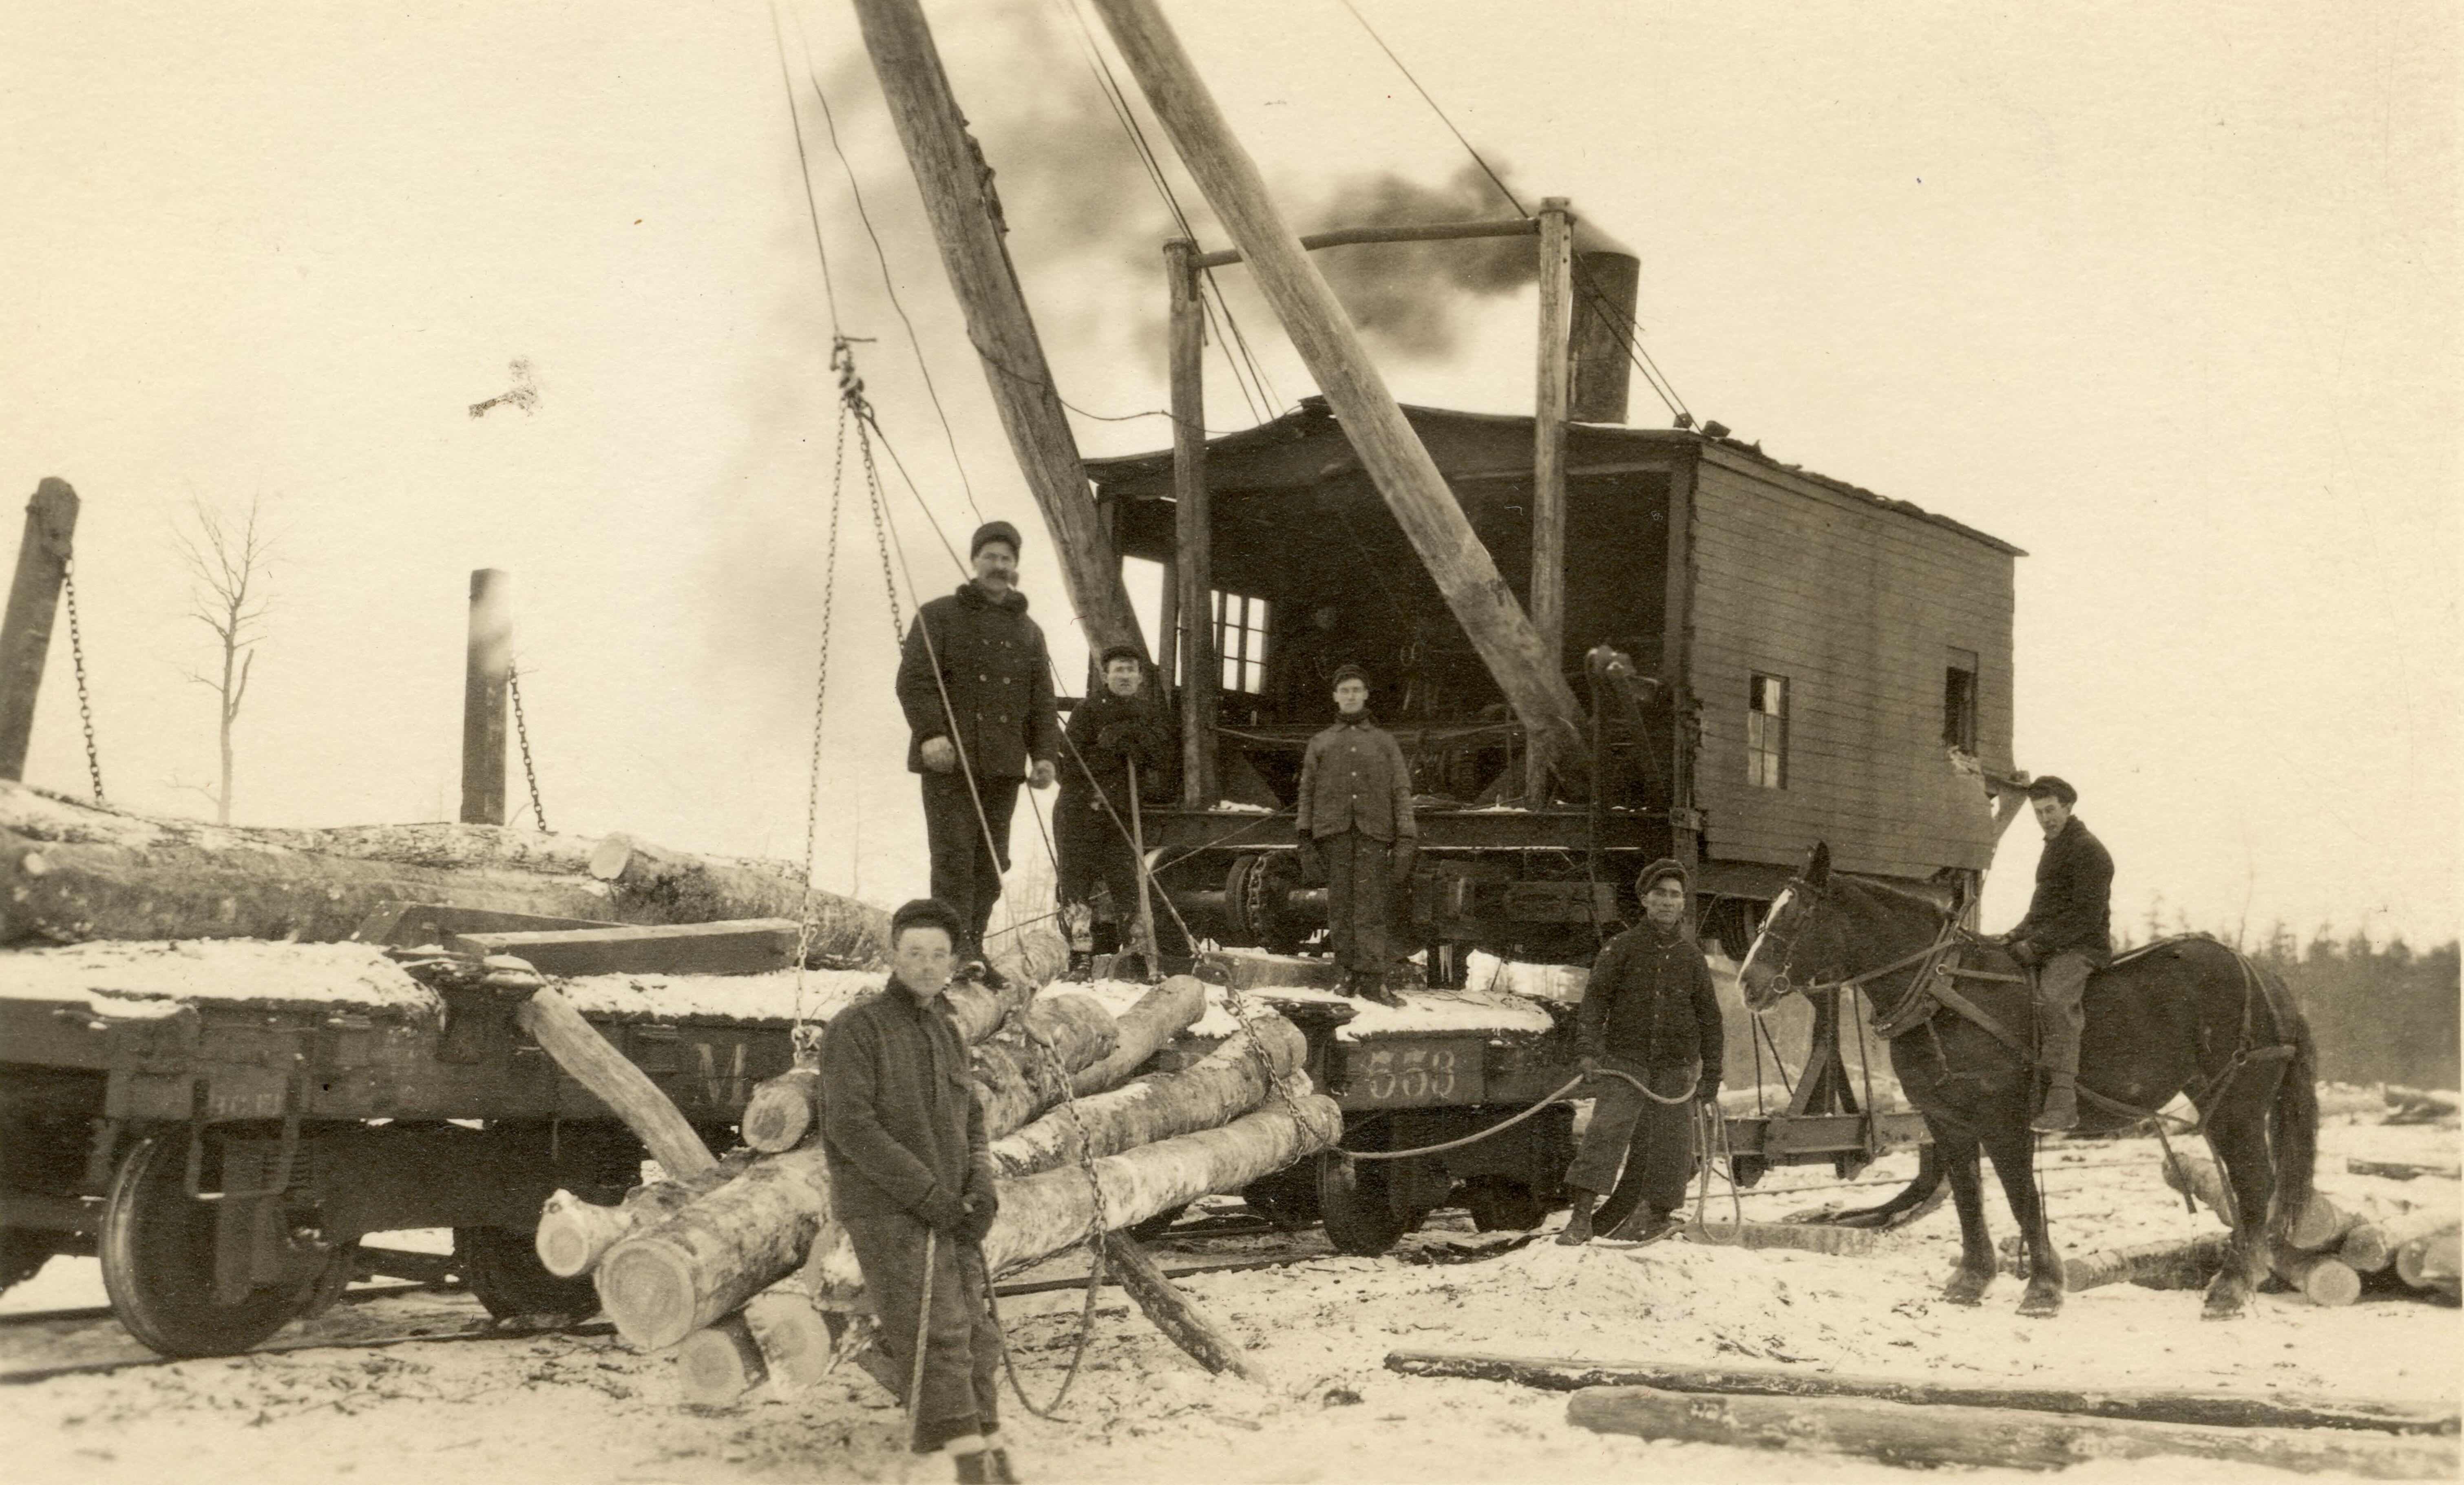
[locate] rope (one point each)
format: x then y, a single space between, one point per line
1512 1120
923 1333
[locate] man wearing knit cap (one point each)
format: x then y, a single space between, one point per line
1356 833
977 693
912 1183
1649 1014
2065 935
1117 731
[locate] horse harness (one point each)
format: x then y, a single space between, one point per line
1940 966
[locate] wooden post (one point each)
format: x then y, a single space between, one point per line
487 668
1192 529
1405 475
1167 653
26 629
1677 666
1551 397
957 186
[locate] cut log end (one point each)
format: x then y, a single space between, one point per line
648 1290
720 1365
572 1233
781 1112
610 858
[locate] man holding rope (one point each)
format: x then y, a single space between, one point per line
981 717
1650 1014
911 1182
1117 734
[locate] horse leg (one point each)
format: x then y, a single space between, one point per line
2237 1133
1957 1149
2014 1162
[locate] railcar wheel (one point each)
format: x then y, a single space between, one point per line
158 1261
505 1276
1287 1198
1500 1204
1356 1199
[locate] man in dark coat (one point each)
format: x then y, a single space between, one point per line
2066 934
1356 833
1649 1013
977 693
1118 729
903 1138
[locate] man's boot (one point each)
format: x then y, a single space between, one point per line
2061 1104
1647 1224
1578 1226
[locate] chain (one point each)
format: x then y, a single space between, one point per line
1244 1014
1099 1225
807 1042
522 735
77 659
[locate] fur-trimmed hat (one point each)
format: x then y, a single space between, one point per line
924 913
994 531
1343 673
2053 786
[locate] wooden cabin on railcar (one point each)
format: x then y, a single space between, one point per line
1812 661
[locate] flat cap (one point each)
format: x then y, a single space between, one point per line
2053 787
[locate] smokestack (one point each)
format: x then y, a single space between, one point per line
1605 279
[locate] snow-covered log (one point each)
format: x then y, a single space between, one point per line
1219 1086
1849 1242
1181 1318
2324 1280
2158 1405
2373 1243
592 1061
1010 1078
1160 1014
1909 1435
1043 1214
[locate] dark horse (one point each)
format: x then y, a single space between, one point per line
2186 1015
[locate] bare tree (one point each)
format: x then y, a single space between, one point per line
230 564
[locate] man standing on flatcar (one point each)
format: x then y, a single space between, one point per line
2065 935
1117 734
1651 1014
978 693
911 1182
1356 834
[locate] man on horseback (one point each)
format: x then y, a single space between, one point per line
2065 935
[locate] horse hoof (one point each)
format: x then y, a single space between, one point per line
2037 1303
1966 1288
2223 1309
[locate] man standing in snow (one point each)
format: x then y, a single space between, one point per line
2066 935
911 1182
978 693
1650 1014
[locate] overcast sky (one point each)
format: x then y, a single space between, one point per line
2164 294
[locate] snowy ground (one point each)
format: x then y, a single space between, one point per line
554 1407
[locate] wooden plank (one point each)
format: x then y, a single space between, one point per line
1906 1435
411 925
26 625
744 946
1350 236
2157 1405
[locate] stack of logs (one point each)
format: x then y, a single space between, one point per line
2328 1249
740 1264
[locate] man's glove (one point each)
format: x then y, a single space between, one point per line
982 1204
2025 951
1042 775
942 1211
1590 1064
1406 855
1707 1091
1313 859
940 755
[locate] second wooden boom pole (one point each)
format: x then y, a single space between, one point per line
1525 666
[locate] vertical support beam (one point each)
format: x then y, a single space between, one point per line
957 186
1553 393
1389 449
488 664
26 628
1167 653
1677 663
1192 529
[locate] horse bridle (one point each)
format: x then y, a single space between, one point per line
1951 934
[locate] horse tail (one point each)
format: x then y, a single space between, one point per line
2293 1123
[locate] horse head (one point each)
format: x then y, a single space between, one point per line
1799 942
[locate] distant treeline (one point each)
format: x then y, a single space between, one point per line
2382 1014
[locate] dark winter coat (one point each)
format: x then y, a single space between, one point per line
1353 777
2072 910
1106 731
901 1129
992 662
1650 1001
